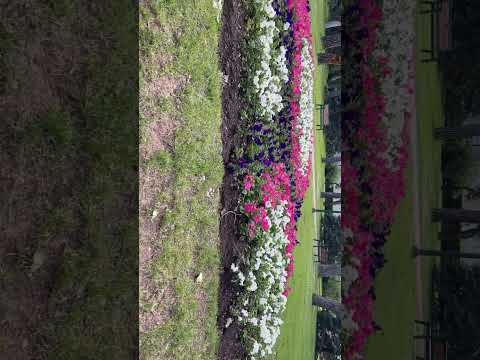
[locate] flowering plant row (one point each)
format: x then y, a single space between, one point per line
273 164
374 153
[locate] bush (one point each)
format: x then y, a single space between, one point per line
459 292
328 333
332 288
456 161
332 236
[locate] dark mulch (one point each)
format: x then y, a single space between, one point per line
230 347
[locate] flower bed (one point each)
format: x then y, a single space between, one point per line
374 152
273 163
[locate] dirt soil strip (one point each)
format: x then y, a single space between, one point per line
230 347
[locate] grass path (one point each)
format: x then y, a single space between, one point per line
297 338
181 169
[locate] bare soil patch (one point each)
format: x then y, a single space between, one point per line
230 347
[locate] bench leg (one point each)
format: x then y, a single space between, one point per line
422 322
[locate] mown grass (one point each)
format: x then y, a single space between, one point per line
186 32
298 333
395 285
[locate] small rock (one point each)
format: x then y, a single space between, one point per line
38 260
199 278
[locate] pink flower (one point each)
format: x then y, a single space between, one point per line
265 224
250 207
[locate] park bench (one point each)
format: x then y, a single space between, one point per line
322 253
441 13
436 346
323 108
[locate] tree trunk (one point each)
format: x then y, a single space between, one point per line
334 78
445 253
456 215
328 304
467 234
461 132
332 40
330 195
326 211
327 58
332 160
334 23
334 93
330 270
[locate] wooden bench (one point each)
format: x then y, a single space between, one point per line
441 40
323 108
322 253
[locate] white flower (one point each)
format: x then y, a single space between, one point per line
241 277
253 286
255 348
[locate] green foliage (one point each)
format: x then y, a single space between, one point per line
460 67
333 135
332 236
328 333
332 288
456 161
459 293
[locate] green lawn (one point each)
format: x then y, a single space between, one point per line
430 115
297 338
395 285
180 96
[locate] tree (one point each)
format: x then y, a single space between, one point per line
459 293
456 161
334 78
328 333
332 40
467 234
333 136
330 195
329 58
444 253
332 236
456 215
459 132
472 192
329 270
332 159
